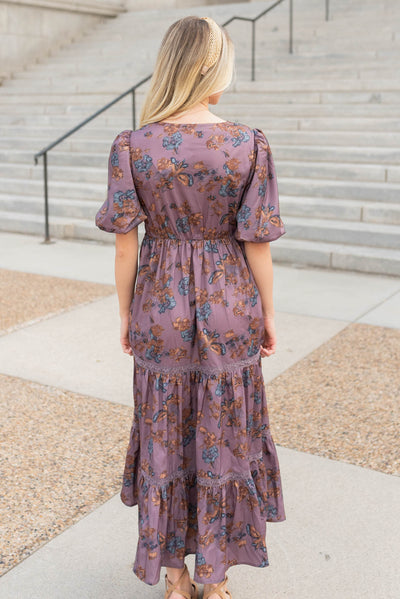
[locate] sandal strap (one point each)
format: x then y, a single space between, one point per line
218 590
175 587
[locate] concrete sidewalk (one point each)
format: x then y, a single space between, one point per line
342 533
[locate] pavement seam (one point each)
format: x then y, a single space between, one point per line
28 323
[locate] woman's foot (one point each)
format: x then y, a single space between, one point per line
208 588
173 575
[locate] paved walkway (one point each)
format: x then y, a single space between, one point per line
342 533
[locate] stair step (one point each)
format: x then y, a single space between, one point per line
97 173
290 138
273 86
59 227
105 125
342 210
346 232
64 189
74 173
304 207
286 251
336 255
336 155
65 208
354 190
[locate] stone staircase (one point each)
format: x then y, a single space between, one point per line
330 111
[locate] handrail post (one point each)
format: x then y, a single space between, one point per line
253 51
326 10
46 200
291 27
133 110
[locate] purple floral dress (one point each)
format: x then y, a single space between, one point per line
201 464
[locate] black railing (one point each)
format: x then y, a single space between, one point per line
43 152
132 90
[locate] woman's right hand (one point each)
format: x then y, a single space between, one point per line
269 345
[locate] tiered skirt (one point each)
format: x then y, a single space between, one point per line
202 468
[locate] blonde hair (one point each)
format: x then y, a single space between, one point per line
177 83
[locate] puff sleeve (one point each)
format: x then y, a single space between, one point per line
258 218
122 210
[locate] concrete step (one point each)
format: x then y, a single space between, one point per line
338 85
110 121
59 227
346 232
243 112
70 209
297 206
56 157
106 125
242 89
270 97
355 190
346 210
336 155
286 250
307 110
44 121
266 70
328 170
301 167
63 189
47 132
76 173
290 138
335 255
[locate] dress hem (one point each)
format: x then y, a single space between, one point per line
181 564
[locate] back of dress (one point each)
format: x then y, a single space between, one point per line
201 463
200 189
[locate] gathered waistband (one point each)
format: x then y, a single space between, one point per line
226 237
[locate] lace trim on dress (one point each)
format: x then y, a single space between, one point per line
178 369
201 480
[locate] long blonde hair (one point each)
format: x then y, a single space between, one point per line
177 83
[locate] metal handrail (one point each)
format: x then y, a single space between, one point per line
133 89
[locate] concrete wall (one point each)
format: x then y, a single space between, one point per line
29 29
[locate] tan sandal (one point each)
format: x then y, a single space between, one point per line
218 590
175 587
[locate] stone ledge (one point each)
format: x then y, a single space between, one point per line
92 7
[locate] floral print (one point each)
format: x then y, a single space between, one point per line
201 464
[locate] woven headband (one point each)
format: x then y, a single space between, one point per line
214 44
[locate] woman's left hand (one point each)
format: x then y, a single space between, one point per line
124 335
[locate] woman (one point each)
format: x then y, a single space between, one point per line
201 463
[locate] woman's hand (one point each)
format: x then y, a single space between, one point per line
124 335
269 345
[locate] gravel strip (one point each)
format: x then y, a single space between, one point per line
61 456
343 400
63 452
27 297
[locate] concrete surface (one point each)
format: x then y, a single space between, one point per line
341 538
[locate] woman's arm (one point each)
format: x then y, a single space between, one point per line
259 257
260 261
126 264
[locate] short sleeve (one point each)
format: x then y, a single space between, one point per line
122 210
258 218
